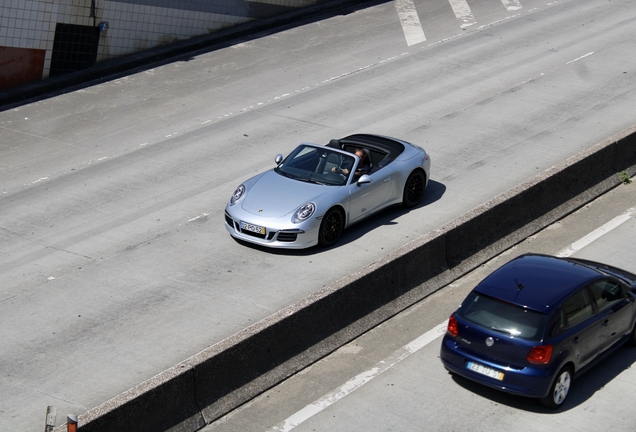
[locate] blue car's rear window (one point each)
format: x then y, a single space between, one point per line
506 318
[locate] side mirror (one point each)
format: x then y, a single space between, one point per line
364 179
278 159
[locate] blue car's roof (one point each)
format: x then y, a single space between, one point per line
536 281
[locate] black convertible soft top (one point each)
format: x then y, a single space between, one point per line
381 143
384 149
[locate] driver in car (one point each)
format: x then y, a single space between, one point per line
364 166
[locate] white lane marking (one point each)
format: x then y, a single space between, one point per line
511 5
410 21
582 57
41 179
360 380
499 21
201 216
462 12
597 233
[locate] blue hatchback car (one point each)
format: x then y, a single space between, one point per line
538 321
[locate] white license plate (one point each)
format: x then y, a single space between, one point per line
253 228
484 370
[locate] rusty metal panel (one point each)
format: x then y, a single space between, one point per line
20 66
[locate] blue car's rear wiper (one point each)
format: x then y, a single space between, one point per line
507 331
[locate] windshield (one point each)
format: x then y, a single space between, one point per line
319 165
506 318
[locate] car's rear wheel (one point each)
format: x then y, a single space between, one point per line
331 227
559 390
413 189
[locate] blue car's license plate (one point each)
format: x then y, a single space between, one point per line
485 370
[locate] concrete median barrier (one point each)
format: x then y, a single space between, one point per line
224 376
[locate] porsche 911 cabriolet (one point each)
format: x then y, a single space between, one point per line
319 190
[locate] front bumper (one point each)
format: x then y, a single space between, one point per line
277 234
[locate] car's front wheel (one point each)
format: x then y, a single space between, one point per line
413 189
331 227
559 390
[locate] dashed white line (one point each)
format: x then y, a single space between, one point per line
582 57
201 216
498 21
41 179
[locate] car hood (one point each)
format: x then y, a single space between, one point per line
273 195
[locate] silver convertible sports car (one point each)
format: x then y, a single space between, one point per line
319 190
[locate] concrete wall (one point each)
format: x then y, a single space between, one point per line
127 27
210 384
16 57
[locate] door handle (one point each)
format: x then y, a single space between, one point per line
576 340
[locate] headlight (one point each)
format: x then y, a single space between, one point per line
304 212
238 193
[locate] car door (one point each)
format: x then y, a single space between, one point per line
367 198
582 326
614 311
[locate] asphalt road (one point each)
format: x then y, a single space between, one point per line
114 261
391 378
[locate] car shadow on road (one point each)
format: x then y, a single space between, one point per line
582 389
434 192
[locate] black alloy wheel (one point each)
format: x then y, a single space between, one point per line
413 189
331 227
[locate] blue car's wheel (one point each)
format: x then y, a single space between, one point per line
331 227
559 390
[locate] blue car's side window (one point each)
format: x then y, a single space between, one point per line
606 294
557 323
578 308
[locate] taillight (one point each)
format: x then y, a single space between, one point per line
540 354
453 328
